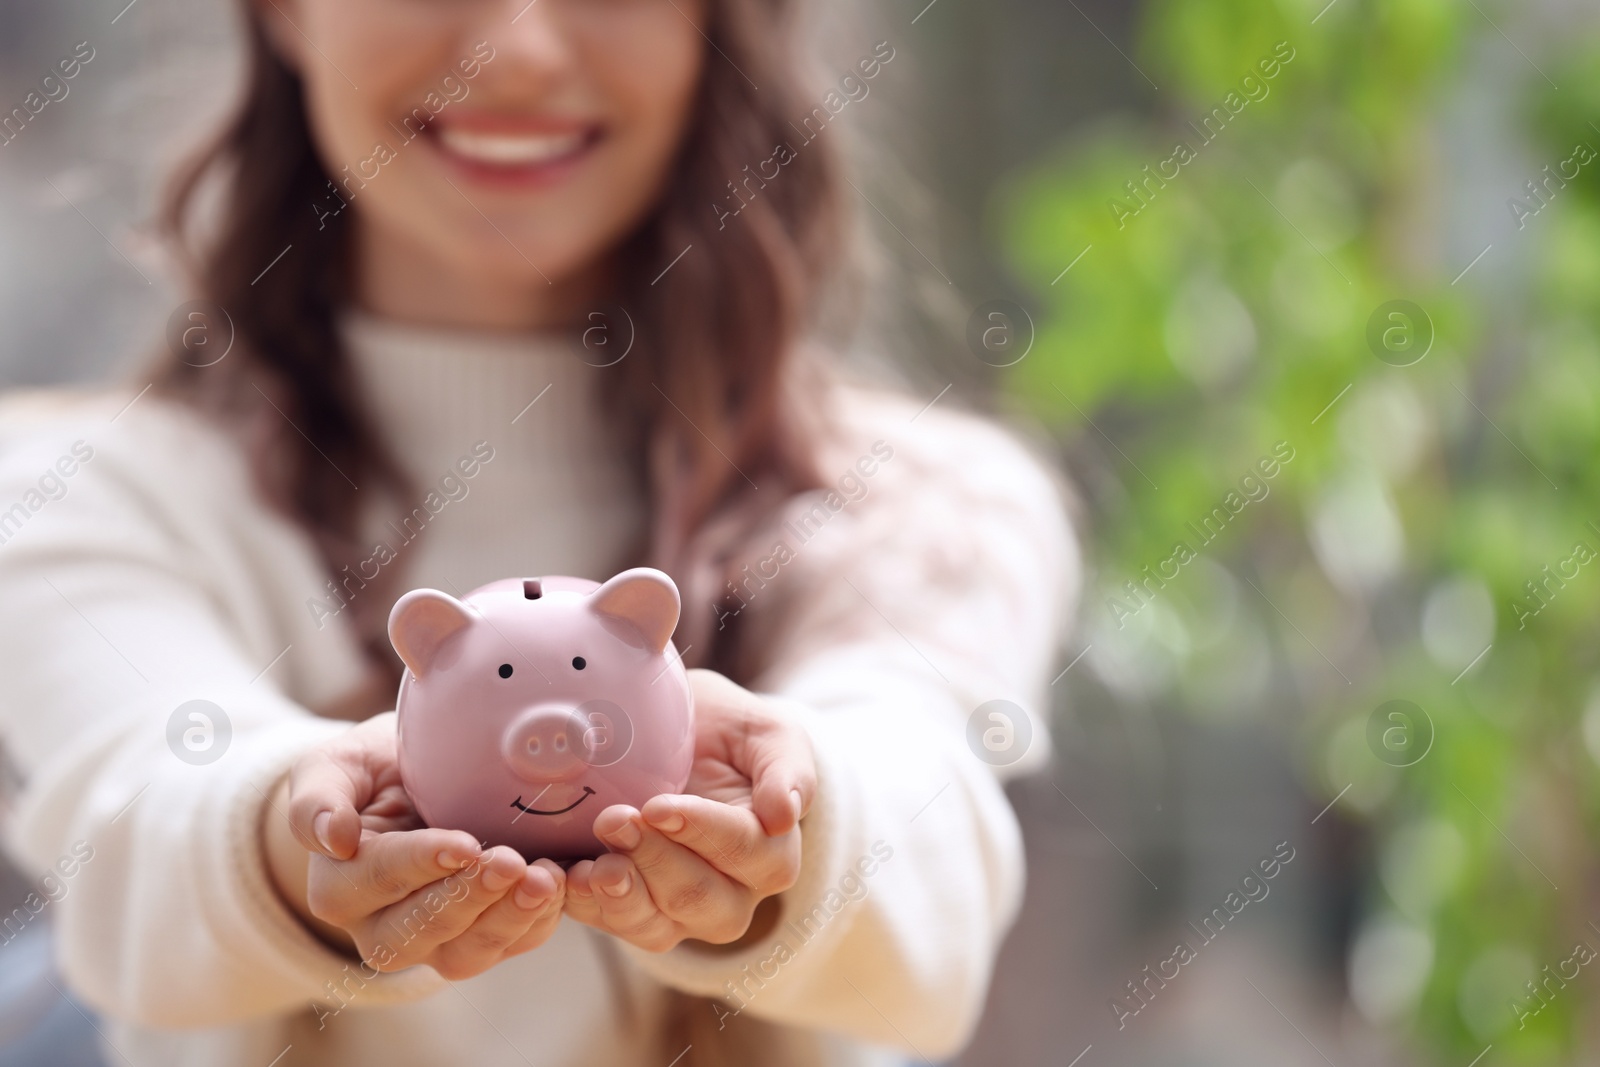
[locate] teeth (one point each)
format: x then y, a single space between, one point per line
509 148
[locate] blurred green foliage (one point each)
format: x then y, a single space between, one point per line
1224 309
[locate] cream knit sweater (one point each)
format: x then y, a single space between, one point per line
139 572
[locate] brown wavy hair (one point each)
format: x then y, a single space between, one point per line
721 334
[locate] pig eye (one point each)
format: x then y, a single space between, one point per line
505 670
578 663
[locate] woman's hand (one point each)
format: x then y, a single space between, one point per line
353 858
696 865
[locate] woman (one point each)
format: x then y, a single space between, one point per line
496 289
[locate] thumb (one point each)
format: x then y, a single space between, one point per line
784 775
324 800
328 787
766 745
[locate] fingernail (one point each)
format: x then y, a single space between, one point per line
495 881
319 826
795 803
626 836
670 822
528 901
449 862
622 887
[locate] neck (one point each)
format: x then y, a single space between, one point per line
401 281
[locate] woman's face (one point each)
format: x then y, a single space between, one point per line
500 145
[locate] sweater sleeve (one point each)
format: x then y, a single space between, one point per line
939 589
123 608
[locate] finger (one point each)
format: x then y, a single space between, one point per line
580 903
502 924
386 869
626 907
783 771
329 785
613 822
417 925
772 750
687 889
547 918
325 793
554 877
729 838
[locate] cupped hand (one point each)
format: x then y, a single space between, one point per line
399 892
696 865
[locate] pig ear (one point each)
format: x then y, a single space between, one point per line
645 597
421 621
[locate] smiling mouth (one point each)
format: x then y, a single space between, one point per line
517 803
513 154
505 148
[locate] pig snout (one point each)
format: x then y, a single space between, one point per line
547 744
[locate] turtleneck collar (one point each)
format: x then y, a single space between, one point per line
558 495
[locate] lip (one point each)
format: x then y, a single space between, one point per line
517 803
512 151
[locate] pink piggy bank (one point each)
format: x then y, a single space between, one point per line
532 704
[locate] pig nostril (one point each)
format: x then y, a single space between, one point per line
533 746
560 744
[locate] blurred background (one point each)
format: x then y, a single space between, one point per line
1305 297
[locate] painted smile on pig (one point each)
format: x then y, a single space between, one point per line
517 803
